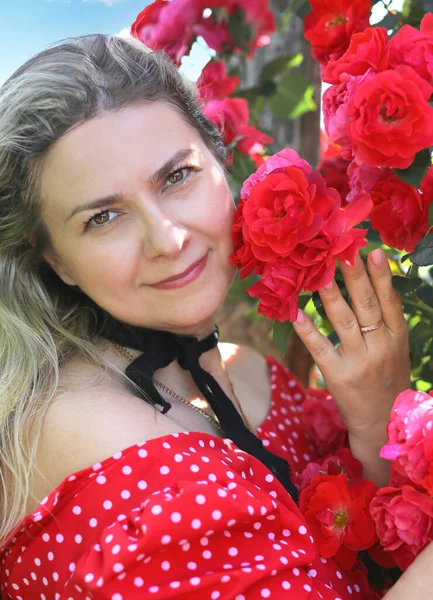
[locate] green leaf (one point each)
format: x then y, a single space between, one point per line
318 305
404 285
280 65
425 294
430 215
414 174
242 166
423 253
294 97
240 29
280 335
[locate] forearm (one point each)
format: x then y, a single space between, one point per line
416 582
366 448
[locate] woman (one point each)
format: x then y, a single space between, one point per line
115 241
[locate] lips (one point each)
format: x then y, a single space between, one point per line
180 276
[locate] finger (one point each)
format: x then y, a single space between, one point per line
365 303
342 317
322 351
389 299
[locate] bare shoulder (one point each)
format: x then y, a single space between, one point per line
245 359
84 426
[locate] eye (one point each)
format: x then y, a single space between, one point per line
91 223
180 175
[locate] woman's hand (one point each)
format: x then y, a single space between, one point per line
416 582
366 372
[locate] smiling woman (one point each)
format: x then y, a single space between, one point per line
105 495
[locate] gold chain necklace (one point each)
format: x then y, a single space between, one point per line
170 392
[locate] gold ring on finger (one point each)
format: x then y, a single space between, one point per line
368 328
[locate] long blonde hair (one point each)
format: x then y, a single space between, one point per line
42 320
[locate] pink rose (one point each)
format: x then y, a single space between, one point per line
410 435
232 116
404 522
363 178
323 421
414 48
335 104
214 83
341 462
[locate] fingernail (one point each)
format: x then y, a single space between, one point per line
377 257
329 285
301 316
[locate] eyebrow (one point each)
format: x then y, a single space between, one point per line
160 174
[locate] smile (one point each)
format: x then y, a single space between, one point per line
188 276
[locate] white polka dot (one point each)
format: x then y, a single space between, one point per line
233 551
89 577
78 538
138 581
164 470
93 522
156 510
175 584
76 510
107 504
116 597
125 494
126 470
196 523
101 479
176 517
118 567
265 593
286 585
216 515
307 587
116 548
165 565
178 458
142 453
59 538
215 595
166 539
312 573
194 580
154 589
302 530
200 499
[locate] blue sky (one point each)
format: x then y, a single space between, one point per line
29 25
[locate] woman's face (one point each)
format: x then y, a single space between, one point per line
169 210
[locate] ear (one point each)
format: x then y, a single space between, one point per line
57 266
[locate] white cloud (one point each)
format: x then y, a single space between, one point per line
125 33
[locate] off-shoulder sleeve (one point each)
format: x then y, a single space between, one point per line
210 522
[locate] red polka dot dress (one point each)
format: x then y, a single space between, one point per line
186 515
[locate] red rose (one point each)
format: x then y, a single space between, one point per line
243 258
284 210
390 119
323 421
404 522
400 213
337 239
414 48
215 34
331 24
214 83
338 516
367 50
278 291
334 171
231 116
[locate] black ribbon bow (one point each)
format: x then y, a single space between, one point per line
159 349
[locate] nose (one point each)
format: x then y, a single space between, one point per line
164 238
